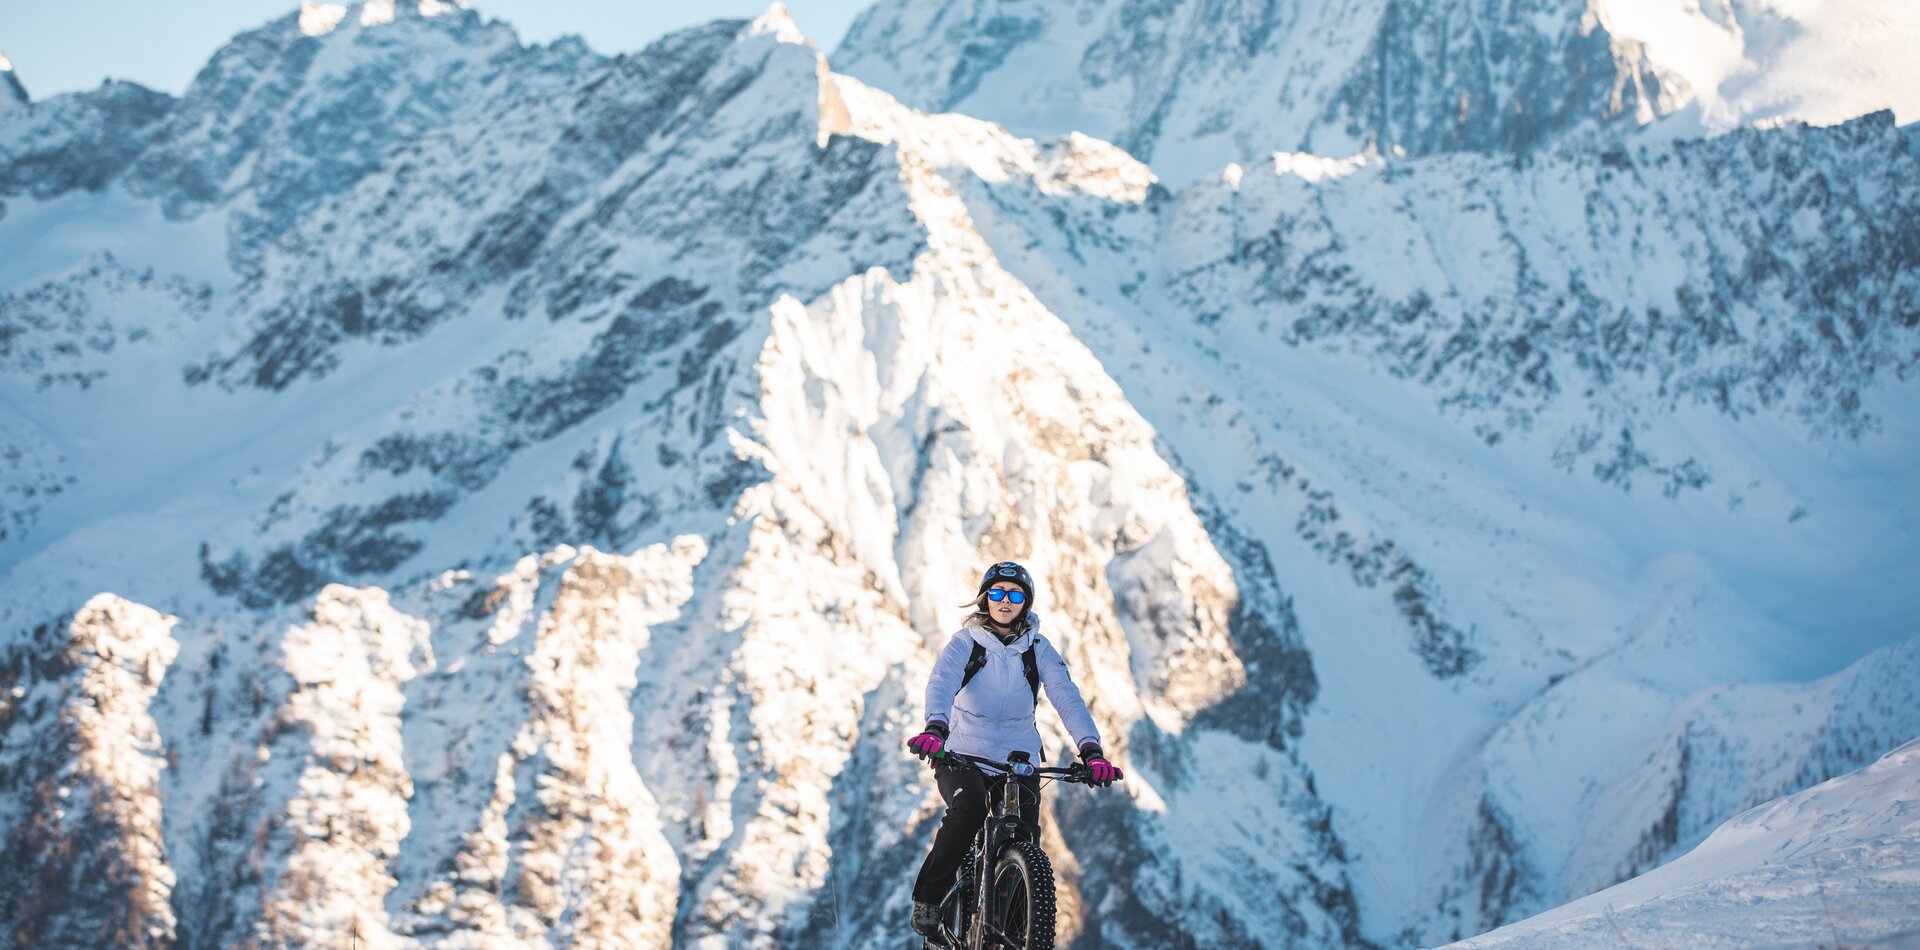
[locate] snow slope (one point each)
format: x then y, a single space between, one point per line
1835 865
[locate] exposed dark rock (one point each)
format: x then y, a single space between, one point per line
596 508
466 462
81 141
352 541
1377 562
1449 77
1496 885
547 524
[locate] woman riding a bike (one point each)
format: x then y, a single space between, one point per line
981 699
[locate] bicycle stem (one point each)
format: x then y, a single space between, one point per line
1009 804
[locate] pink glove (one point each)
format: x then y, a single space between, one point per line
930 742
1100 772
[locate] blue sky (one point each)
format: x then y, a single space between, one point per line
63 47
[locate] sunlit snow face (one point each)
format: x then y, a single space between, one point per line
1003 611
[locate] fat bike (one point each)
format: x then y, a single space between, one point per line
1003 896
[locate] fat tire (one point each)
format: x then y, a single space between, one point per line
1030 861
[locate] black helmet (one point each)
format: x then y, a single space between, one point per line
1011 573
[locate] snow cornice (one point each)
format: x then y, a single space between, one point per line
319 19
777 23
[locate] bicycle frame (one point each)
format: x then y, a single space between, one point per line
1004 826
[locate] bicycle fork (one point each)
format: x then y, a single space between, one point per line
1004 824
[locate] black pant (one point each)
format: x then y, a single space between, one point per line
965 791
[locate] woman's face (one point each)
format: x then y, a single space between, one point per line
1004 610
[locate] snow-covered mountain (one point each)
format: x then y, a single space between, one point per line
464 493
1191 85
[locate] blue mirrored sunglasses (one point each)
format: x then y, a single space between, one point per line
997 595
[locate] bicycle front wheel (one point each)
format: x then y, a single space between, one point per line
1023 898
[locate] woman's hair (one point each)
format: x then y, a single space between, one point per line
980 618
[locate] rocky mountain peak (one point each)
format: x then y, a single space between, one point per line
12 92
289 114
777 22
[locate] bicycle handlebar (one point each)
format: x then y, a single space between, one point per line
1077 772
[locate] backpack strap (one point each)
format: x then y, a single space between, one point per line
978 659
1032 663
974 662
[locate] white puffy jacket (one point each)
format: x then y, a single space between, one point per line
993 716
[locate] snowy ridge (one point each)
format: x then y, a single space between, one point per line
1836 862
336 741
1193 86
279 120
574 473
84 769
518 875
1230 81
78 141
